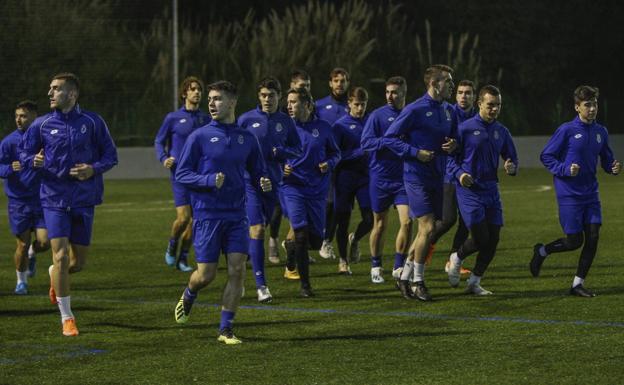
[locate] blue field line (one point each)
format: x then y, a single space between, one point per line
46 352
410 314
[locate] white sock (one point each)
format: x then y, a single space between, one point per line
474 280
577 281
419 272
407 270
64 304
542 251
455 259
22 276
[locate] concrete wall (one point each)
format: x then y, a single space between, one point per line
141 162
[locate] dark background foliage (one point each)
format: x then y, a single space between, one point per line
536 51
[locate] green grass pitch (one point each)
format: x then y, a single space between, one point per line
352 332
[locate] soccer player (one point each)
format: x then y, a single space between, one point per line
278 140
169 141
212 164
571 155
422 134
22 188
331 108
351 180
72 148
483 141
306 181
464 109
386 180
299 78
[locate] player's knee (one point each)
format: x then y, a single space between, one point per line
256 232
592 237
236 272
20 247
60 259
574 241
379 226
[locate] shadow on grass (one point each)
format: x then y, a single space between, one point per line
28 312
359 337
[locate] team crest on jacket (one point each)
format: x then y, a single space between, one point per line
83 129
255 125
352 126
241 140
182 120
496 136
448 114
598 138
279 127
315 133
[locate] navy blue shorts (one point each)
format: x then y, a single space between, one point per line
25 215
76 224
181 194
425 200
259 205
304 211
211 237
351 186
476 207
384 194
573 218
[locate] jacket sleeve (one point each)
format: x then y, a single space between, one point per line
552 153
455 160
256 166
6 169
606 154
508 151
105 147
163 138
31 144
332 151
394 136
188 164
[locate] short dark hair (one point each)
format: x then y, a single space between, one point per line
467 83
358 93
397 81
186 84
339 71
434 71
28 105
304 95
585 93
69 78
299 73
488 89
224 86
270 83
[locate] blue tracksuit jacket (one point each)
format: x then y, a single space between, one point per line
67 139
384 164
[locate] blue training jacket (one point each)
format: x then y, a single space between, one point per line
22 185
318 146
330 109
67 139
176 127
461 116
277 131
580 143
348 135
384 164
422 125
481 146
226 148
